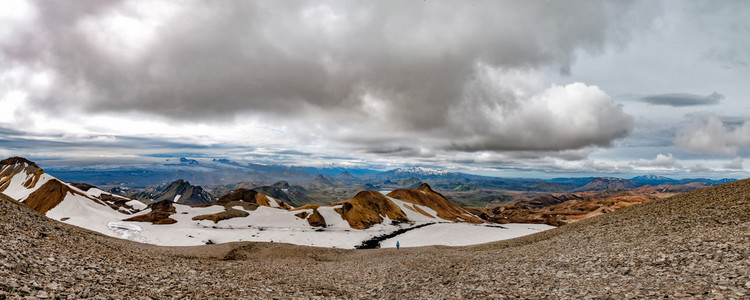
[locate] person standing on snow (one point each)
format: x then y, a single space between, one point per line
398 246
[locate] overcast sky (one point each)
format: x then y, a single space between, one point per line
506 88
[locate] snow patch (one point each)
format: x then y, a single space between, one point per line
272 202
17 191
462 234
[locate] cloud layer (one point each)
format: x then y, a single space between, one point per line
678 100
376 75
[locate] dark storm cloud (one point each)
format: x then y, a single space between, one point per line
16 140
678 100
426 68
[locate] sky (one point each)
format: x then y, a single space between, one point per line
503 88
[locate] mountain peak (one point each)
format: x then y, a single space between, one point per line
181 182
346 175
17 160
425 187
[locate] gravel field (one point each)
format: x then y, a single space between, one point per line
695 245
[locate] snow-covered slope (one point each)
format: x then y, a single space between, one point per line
24 181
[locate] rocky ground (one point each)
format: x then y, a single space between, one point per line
693 245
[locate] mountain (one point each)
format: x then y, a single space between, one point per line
562 209
368 208
346 177
78 204
607 183
421 173
179 191
322 182
653 180
292 194
440 206
252 196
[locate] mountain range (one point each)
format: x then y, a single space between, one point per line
182 214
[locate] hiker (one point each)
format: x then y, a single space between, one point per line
398 246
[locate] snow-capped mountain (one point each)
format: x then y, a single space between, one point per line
654 180
422 171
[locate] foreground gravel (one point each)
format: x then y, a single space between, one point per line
696 245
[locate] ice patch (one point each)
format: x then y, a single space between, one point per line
124 226
126 230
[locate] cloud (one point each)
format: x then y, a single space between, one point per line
735 164
663 161
372 73
709 134
501 111
679 100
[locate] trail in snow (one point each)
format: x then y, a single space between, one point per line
374 242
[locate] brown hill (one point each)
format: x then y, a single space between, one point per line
446 209
367 208
159 214
557 210
315 219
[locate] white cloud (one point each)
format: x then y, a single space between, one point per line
661 161
735 164
709 134
509 110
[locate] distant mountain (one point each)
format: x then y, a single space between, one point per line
179 191
346 176
410 182
608 183
421 173
705 181
365 187
659 180
292 194
653 180
323 181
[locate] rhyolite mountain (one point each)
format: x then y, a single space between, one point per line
78 204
